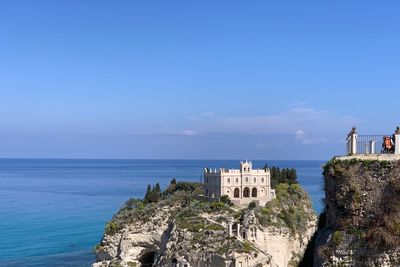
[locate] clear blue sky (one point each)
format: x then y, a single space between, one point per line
195 79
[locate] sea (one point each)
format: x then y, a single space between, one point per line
53 211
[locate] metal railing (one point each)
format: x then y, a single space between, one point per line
370 144
374 144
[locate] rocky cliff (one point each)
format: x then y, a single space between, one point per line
362 226
182 229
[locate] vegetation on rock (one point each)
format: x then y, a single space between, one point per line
291 208
282 176
362 207
199 225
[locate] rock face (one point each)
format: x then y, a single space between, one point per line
184 230
362 225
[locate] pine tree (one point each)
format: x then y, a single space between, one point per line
148 193
157 189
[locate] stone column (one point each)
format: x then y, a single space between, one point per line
353 141
397 141
372 147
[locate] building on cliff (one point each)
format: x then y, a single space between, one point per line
242 186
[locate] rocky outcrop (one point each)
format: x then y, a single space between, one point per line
183 229
362 225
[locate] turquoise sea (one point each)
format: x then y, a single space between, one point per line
53 211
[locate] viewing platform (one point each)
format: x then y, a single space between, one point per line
378 157
384 147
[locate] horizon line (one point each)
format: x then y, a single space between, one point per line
187 159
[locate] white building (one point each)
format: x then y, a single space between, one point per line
242 186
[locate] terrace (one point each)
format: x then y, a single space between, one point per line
387 144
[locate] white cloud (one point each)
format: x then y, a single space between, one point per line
299 134
307 125
296 117
188 133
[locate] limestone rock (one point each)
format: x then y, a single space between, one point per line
185 230
362 213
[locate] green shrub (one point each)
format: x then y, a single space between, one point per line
187 186
337 238
289 208
215 206
252 205
214 227
112 227
225 199
247 247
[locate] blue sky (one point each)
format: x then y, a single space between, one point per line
205 79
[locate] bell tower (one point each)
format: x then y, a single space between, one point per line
246 166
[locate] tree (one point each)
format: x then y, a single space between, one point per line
157 189
148 192
171 188
153 194
286 175
252 205
225 199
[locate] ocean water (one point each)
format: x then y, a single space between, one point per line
53 212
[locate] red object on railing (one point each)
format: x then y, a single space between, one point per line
387 141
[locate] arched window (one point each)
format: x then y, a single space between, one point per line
247 179
262 180
236 193
246 192
255 180
237 180
229 180
254 192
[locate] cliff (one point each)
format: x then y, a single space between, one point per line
180 228
362 225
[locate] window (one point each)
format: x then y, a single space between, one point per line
246 192
254 192
262 180
237 180
255 180
236 193
247 179
229 180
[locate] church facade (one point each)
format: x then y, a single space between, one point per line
242 185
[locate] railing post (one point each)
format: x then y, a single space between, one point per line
397 141
372 147
353 141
